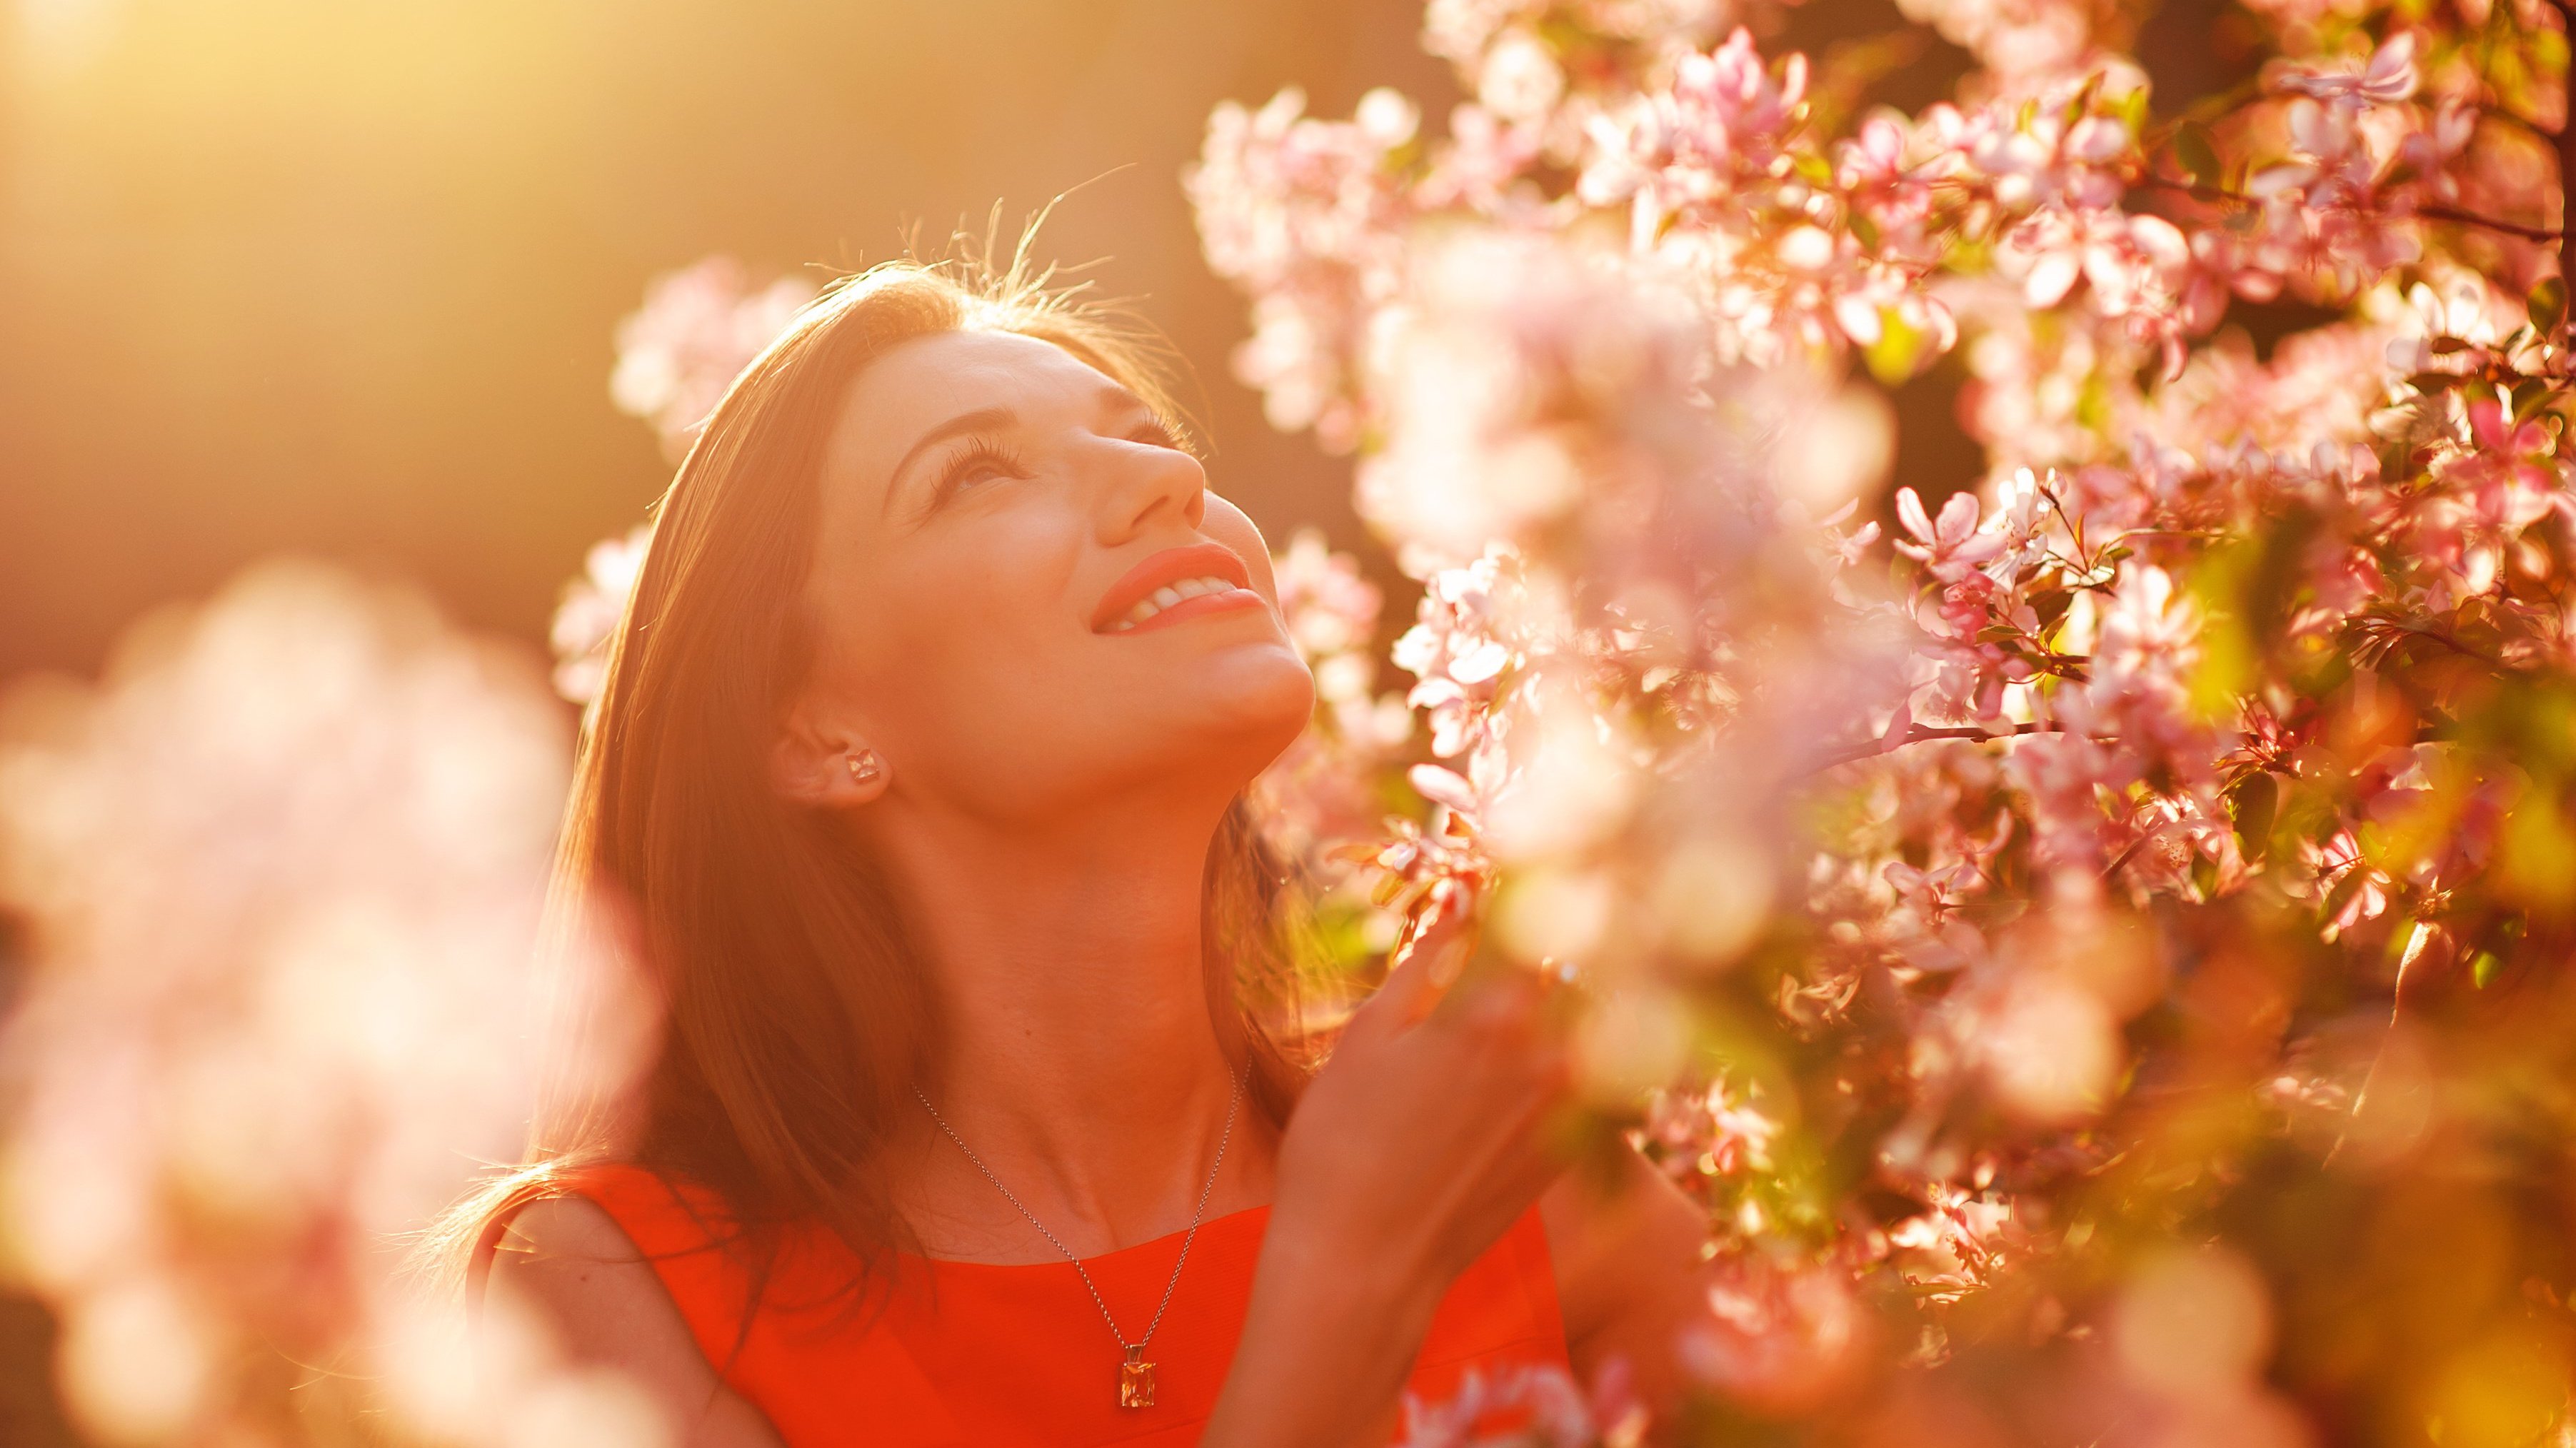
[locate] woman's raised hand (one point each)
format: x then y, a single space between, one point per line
1410 1154
1421 1141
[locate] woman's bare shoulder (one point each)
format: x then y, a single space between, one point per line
564 1229
567 1261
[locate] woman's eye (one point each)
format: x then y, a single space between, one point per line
978 464
1154 434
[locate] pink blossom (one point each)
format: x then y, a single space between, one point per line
592 606
1533 1404
1719 126
283 1002
1301 211
1951 547
1778 1337
1454 655
2512 468
2086 686
2386 78
698 329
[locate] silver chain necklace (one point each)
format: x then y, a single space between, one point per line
1135 1375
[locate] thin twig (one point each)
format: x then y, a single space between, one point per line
1925 733
2471 218
2122 858
2200 191
2445 640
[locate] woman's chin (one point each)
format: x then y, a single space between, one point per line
1239 709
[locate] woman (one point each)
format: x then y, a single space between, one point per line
919 771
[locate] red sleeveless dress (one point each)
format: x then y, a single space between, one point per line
965 1353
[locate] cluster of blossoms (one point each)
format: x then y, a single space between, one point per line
1328 792
1993 904
282 872
698 328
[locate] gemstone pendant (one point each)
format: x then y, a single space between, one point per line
1136 1380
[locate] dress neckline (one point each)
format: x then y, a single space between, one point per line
959 1264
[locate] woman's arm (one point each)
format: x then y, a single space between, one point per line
1408 1156
567 1263
1628 1275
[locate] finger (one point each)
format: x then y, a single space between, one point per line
1426 962
1447 936
1401 999
1505 1003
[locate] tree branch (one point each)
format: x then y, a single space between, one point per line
2471 218
2200 192
1924 733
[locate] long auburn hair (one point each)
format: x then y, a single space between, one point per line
798 1013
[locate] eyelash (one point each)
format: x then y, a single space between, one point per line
980 451
983 451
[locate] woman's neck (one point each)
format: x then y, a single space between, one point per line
1080 1057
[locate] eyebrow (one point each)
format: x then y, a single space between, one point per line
982 419
990 419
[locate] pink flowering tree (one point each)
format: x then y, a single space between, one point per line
283 870
2095 940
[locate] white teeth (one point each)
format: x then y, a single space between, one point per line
1169 594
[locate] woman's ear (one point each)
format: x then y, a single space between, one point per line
825 768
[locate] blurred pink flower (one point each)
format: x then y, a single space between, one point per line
1536 1405
698 329
593 605
288 996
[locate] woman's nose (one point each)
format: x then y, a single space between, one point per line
1146 484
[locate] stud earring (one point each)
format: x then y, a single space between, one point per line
865 768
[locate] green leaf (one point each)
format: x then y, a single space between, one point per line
2132 109
1897 352
2204 876
2548 304
2256 800
1814 168
2197 151
2083 99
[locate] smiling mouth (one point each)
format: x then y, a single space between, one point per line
1171 596
1174 585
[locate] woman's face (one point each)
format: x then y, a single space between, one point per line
1026 598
